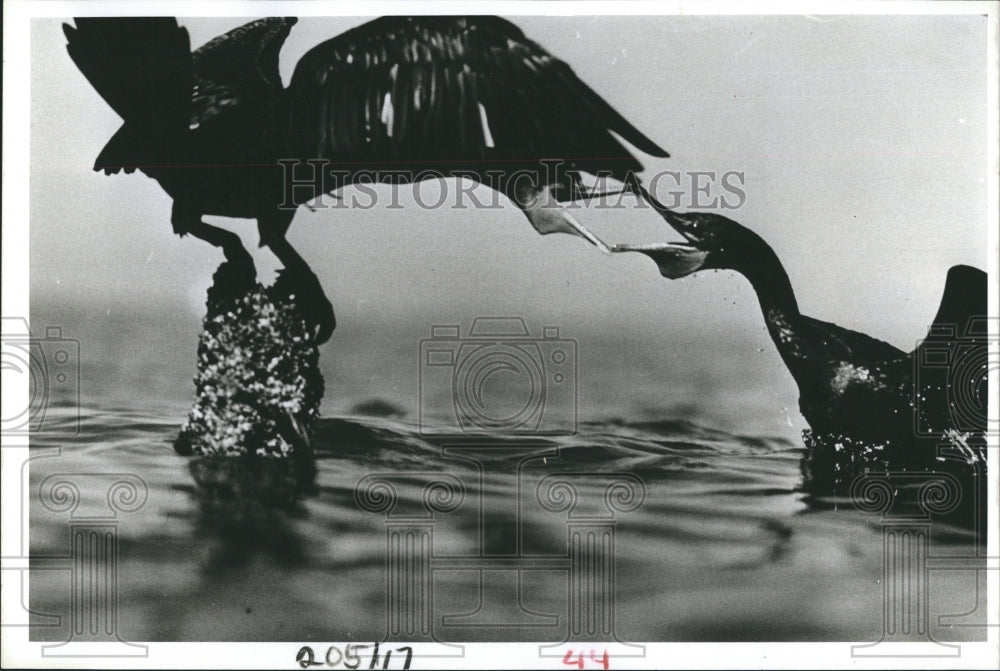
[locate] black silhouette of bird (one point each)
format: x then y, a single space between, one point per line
851 384
409 97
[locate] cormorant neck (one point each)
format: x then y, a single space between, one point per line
758 263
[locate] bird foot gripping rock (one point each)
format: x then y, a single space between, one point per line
258 386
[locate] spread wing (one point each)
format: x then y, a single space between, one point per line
140 66
442 90
952 362
961 318
239 68
964 300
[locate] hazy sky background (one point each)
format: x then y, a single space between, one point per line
862 141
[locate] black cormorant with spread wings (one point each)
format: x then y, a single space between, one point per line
408 96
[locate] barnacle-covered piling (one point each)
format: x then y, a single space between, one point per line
258 386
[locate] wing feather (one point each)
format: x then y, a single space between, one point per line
424 89
963 300
238 69
140 66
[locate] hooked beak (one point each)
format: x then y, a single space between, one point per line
675 259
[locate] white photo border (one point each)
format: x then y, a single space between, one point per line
18 651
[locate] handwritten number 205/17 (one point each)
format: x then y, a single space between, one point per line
350 657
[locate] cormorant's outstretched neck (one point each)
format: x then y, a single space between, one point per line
850 384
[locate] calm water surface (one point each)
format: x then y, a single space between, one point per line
724 546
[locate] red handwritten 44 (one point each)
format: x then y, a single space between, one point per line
581 659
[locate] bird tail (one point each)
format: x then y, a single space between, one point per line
125 151
142 69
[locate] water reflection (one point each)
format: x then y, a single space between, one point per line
248 507
943 479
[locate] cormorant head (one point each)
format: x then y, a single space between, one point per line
711 241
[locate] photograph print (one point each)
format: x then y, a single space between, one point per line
387 338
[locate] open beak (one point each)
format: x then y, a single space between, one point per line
675 259
547 215
580 230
